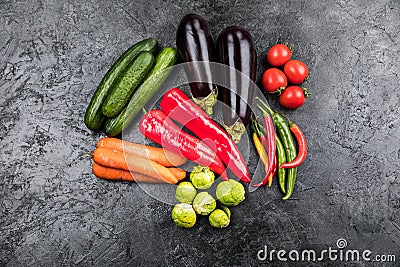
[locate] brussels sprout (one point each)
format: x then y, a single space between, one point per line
202 177
230 193
204 203
185 192
220 218
184 215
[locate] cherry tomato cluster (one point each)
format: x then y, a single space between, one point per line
285 71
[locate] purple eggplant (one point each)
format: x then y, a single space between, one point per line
196 47
236 49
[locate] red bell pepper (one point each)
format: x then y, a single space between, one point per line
158 127
183 110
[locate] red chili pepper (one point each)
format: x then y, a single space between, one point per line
302 147
260 131
264 141
183 110
274 169
271 145
158 127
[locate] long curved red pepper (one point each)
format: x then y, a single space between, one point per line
271 145
302 147
264 141
158 127
183 110
274 170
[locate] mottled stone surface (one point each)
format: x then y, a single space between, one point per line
54 212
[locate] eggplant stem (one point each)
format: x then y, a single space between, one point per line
207 103
236 130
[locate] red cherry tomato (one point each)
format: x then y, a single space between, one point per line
274 79
279 55
295 71
292 97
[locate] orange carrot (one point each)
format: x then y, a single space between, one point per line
121 175
160 155
179 173
130 162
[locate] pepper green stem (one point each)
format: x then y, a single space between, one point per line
256 127
264 112
265 105
262 129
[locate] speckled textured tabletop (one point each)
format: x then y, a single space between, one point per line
54 212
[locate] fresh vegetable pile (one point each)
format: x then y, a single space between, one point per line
195 44
283 157
128 85
235 49
228 193
183 127
275 80
180 108
115 159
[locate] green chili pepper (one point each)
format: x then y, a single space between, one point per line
287 141
290 149
281 160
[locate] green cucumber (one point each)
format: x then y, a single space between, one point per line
123 89
162 68
94 117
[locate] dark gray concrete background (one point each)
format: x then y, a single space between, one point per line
54 212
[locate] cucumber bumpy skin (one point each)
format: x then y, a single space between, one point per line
162 68
94 118
123 89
